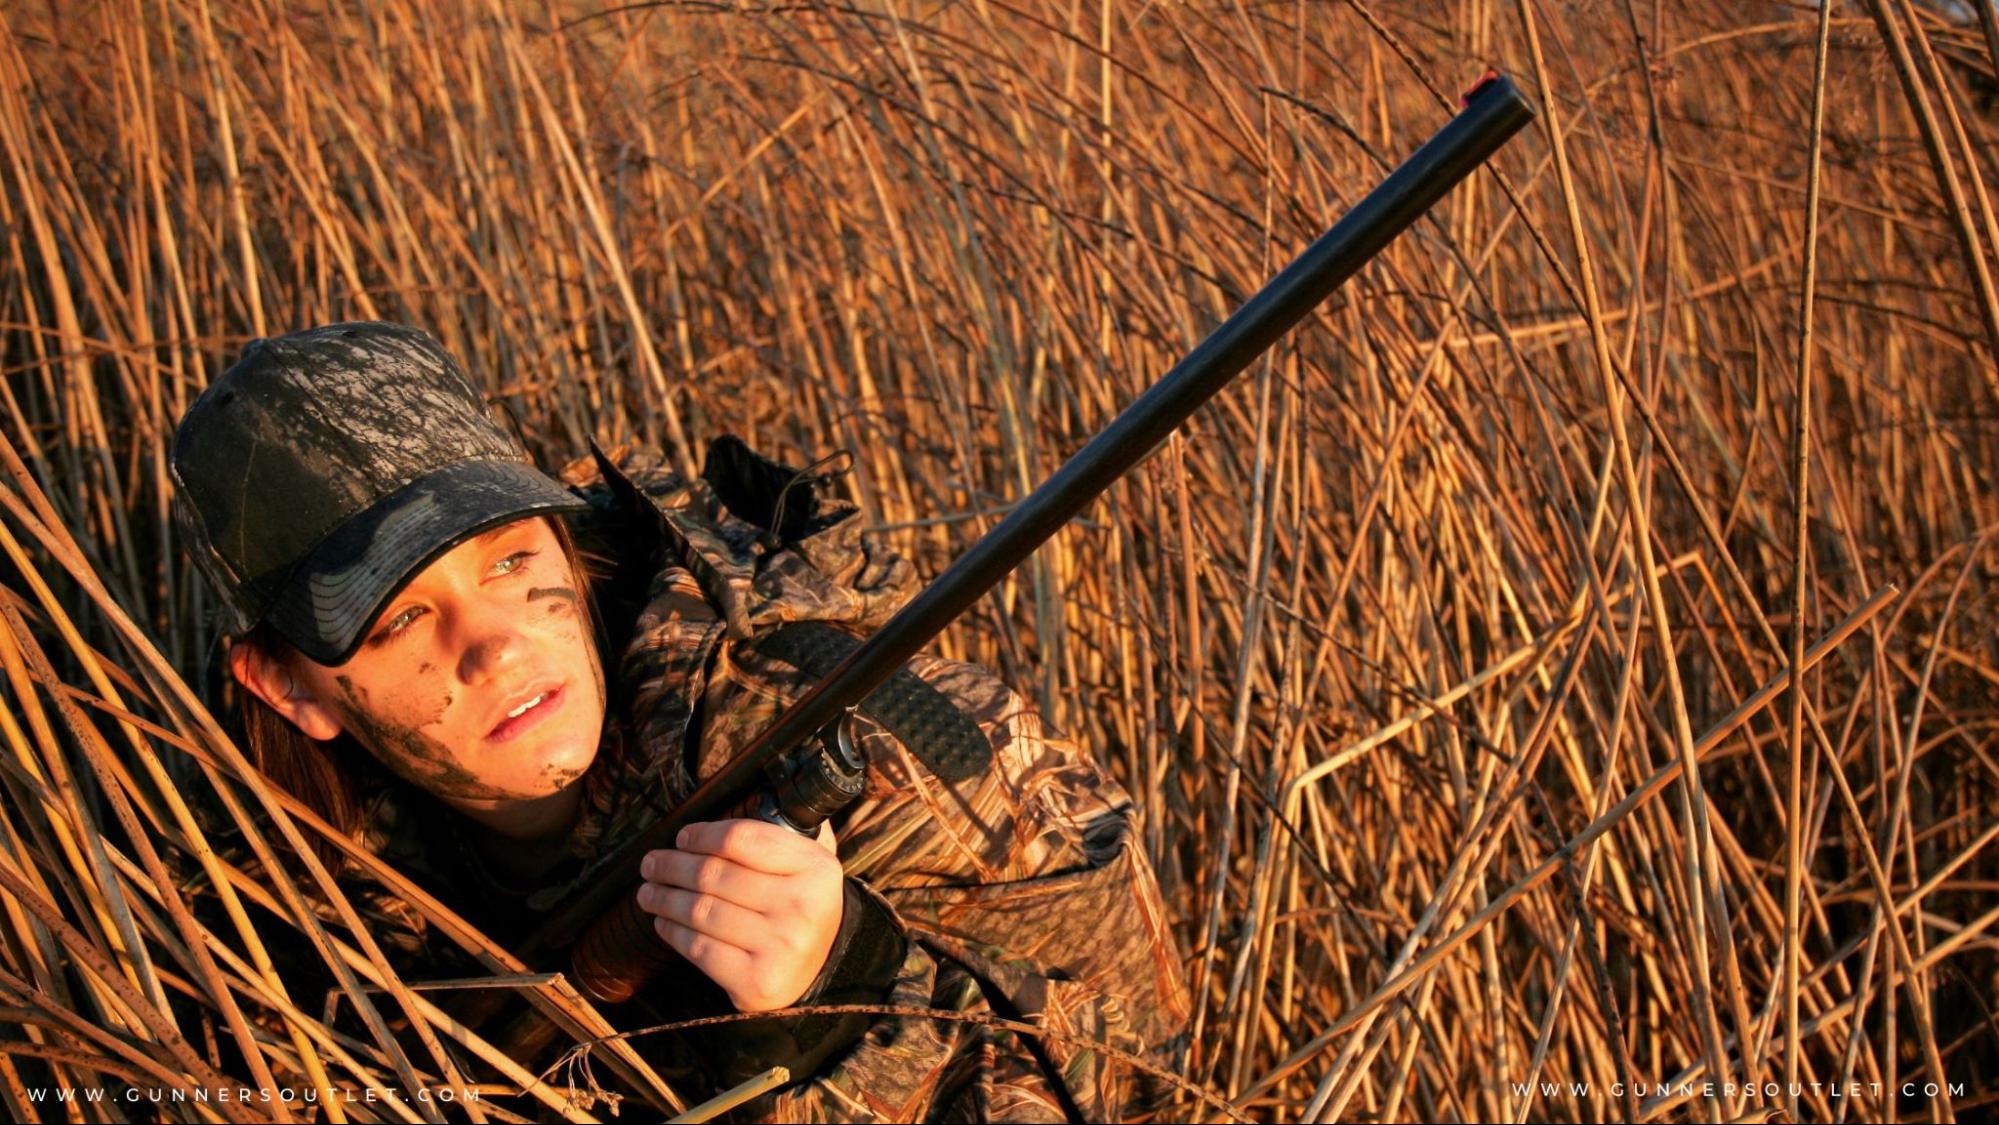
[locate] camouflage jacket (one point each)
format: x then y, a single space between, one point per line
1020 892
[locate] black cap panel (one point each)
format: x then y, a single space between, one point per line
326 608
301 461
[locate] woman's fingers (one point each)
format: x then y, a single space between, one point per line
711 875
724 963
706 914
755 843
753 905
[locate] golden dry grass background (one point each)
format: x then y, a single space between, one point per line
1402 645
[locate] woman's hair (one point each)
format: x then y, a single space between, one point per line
331 778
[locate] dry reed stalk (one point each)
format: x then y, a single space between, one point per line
1801 418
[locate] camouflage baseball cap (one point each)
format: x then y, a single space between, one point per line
326 468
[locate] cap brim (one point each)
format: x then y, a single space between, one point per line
329 601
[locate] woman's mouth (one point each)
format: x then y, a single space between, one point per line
530 712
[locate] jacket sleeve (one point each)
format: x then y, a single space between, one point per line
1022 894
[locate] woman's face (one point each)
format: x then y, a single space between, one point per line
478 682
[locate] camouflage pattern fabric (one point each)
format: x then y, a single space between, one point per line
1023 890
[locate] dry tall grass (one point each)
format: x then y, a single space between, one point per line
1405 646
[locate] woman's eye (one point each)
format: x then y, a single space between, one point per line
513 562
399 622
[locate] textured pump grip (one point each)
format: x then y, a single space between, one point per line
942 737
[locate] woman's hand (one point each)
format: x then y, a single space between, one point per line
753 905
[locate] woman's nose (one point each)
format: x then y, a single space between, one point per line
493 646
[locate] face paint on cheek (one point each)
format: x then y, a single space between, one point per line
561 600
561 595
566 631
416 757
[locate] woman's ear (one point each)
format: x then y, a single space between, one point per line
281 688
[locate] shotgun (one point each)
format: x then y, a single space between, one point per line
1492 112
